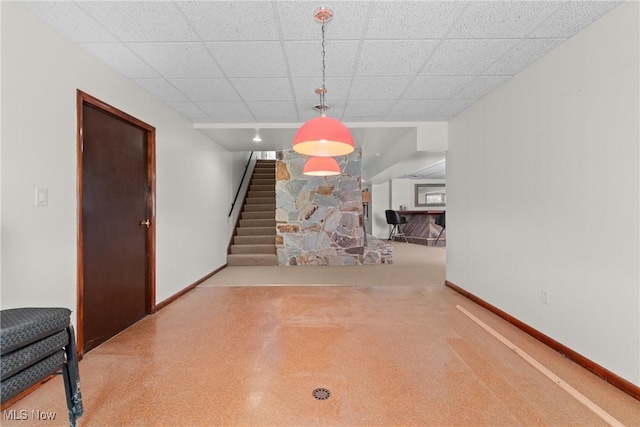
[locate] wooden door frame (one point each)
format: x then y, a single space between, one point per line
150 304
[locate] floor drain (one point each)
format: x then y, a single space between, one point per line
321 393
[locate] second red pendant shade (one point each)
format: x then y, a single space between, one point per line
321 166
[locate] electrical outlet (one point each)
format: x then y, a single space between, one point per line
544 296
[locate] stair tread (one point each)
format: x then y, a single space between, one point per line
267 249
258 215
258 222
265 239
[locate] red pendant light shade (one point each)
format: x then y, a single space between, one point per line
321 166
323 136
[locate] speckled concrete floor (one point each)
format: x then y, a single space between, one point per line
390 355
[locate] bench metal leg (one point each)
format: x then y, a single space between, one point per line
71 378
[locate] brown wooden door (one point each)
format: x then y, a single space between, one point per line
116 203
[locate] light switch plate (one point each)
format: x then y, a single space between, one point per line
42 196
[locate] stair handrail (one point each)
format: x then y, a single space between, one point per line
240 186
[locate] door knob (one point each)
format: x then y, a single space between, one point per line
145 222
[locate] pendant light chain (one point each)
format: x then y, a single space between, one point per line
324 89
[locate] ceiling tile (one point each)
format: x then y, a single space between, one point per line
386 60
522 55
305 88
454 106
226 111
368 108
266 111
270 89
427 118
415 108
481 86
122 59
255 59
178 60
305 58
439 118
502 19
70 20
466 57
141 21
297 22
357 119
393 57
573 17
412 19
231 20
189 110
436 87
161 89
379 87
206 89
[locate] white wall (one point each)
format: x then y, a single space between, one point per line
380 201
543 193
403 192
41 71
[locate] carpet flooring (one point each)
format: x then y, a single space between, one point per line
412 265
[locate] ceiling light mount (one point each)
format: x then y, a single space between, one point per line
323 14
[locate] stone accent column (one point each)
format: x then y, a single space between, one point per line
319 219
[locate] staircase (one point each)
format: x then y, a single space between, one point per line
254 242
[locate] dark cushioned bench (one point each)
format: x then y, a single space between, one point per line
34 344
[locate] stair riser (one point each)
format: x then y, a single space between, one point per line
270 188
258 222
258 215
253 249
252 260
256 231
260 208
271 182
254 240
253 194
259 200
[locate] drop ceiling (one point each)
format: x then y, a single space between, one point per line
241 67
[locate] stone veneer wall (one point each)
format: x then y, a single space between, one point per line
319 219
